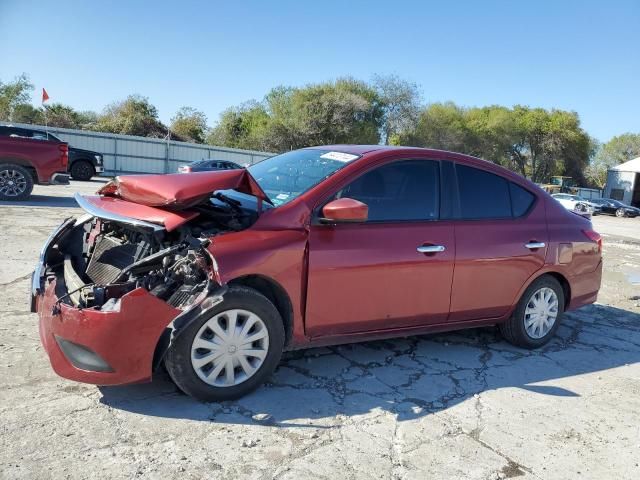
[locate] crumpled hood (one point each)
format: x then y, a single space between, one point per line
180 190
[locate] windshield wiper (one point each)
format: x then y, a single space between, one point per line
235 204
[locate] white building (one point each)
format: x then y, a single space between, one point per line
623 183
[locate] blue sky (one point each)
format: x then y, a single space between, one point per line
574 55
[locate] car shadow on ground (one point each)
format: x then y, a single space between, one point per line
409 377
43 201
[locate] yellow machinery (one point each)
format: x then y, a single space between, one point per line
560 185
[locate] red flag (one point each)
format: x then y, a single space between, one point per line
45 95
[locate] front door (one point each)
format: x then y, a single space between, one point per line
393 271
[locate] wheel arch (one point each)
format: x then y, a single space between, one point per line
276 294
22 162
562 280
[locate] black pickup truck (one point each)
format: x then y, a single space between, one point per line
83 164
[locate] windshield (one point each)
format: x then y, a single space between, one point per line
284 177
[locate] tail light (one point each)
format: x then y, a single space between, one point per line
594 237
64 157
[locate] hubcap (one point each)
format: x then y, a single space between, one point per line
12 183
541 312
229 348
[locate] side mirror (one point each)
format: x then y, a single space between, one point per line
344 210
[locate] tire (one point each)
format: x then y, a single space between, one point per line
184 355
515 330
580 208
82 170
16 182
620 213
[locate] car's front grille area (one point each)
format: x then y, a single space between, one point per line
110 256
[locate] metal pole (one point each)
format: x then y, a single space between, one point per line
115 155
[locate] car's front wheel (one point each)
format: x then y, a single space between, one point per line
232 351
537 315
620 212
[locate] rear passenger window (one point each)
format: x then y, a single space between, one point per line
482 194
521 200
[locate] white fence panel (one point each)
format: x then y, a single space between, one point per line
130 154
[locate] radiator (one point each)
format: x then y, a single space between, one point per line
111 255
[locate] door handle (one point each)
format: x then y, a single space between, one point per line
431 248
535 245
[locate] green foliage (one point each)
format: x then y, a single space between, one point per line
27 113
241 127
400 102
190 124
618 150
535 142
133 116
344 111
63 116
13 94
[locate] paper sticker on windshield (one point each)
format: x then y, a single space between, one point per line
339 156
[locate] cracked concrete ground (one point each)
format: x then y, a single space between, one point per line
459 405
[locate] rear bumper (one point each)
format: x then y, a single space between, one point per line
123 341
59 179
585 287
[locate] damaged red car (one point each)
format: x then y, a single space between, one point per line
215 274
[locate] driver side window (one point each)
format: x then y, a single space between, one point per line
400 191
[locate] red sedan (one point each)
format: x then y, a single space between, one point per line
214 274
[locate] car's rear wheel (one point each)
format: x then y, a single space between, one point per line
537 315
232 351
82 170
16 182
620 212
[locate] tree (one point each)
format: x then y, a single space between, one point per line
343 111
620 149
27 113
133 116
400 101
617 150
535 142
190 124
12 94
440 125
63 116
88 119
241 127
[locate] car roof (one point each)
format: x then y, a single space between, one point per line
362 149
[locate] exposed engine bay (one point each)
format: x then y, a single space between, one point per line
98 261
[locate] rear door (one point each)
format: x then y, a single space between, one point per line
501 241
373 275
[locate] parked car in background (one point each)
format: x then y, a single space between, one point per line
577 204
207 165
214 274
25 162
83 164
615 207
